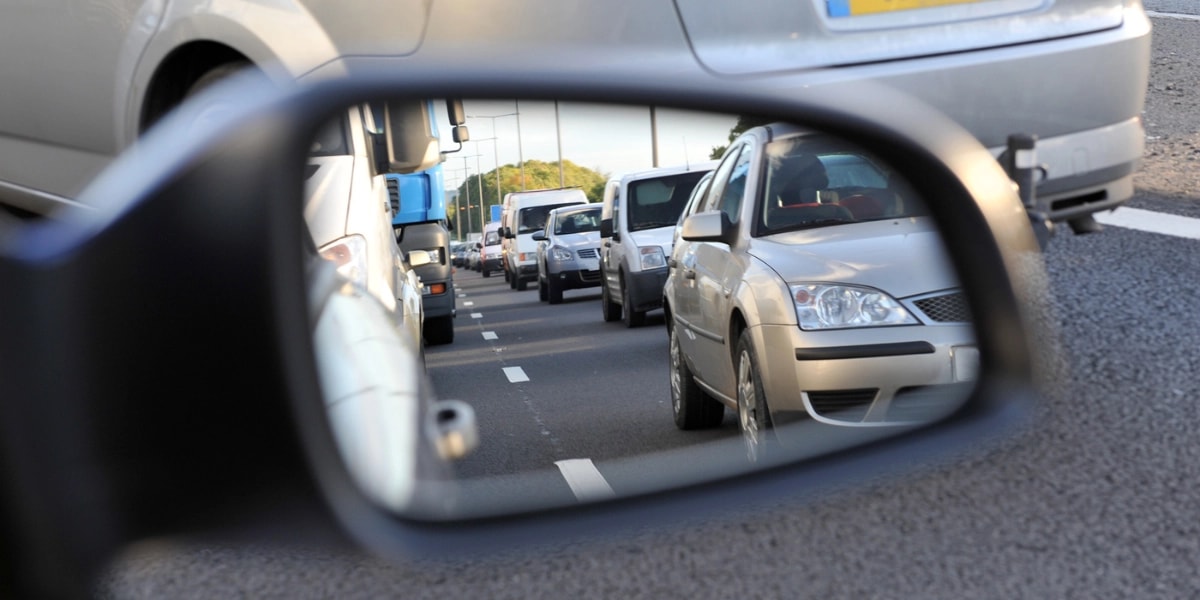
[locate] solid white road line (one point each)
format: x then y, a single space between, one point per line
515 374
476 315
585 480
1166 15
490 335
1153 222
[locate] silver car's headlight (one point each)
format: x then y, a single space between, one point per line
823 306
560 254
350 256
652 257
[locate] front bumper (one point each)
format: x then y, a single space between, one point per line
867 377
645 288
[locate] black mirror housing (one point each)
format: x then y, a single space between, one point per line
156 470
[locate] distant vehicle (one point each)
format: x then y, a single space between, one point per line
810 281
640 211
568 253
526 213
489 250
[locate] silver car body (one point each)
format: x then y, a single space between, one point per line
577 264
853 376
81 84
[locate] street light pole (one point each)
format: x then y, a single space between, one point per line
520 151
496 160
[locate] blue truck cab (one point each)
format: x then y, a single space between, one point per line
420 223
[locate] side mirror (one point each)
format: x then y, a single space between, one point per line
410 142
112 464
506 232
711 226
539 235
606 228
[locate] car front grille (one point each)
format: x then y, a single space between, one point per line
589 253
946 308
589 276
843 405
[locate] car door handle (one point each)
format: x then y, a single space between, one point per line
689 273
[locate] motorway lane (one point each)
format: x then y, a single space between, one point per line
596 391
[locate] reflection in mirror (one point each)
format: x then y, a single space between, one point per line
767 294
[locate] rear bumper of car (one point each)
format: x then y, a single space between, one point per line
866 377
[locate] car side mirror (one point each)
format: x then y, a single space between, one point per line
539 235
711 226
606 228
107 463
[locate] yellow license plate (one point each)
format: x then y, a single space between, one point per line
855 8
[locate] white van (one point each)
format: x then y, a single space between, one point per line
489 249
526 213
349 216
636 228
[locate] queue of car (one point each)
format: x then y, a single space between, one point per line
796 268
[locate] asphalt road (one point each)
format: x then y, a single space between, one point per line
1098 499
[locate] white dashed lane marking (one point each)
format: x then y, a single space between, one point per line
585 479
515 374
490 335
476 315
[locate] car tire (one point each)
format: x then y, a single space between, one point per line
611 310
512 281
521 285
543 295
485 272
439 330
692 407
754 417
633 318
554 291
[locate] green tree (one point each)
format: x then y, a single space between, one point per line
539 175
744 122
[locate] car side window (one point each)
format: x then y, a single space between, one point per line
726 194
721 179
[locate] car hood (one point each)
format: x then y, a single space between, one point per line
903 257
576 241
661 236
328 189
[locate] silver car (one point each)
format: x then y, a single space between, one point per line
82 84
808 283
568 253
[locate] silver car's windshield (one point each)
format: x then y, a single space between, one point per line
810 182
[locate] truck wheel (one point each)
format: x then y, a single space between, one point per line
486 273
439 330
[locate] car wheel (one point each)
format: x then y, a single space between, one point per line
543 295
611 310
753 417
439 330
554 291
521 284
486 272
512 281
506 277
693 408
633 318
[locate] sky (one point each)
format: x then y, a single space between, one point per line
610 139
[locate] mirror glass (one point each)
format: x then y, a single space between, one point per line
768 294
